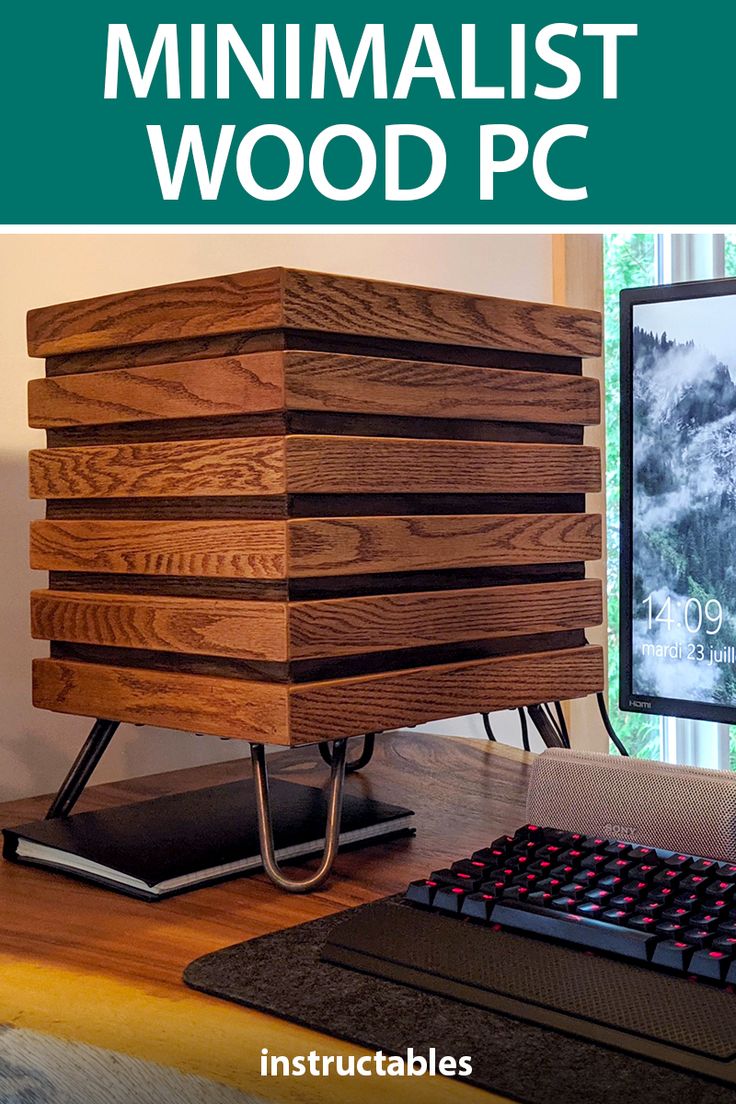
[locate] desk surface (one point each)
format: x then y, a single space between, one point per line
87 964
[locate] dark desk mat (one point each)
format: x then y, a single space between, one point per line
282 974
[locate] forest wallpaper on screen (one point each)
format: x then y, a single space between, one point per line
684 506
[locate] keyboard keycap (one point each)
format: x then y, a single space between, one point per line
624 901
649 908
668 929
493 888
572 889
706 921
678 862
550 885
614 847
503 843
593 843
598 896
696 937
591 910
586 878
704 866
710 964
478 906
446 876
644 871
421 892
473 868
591 934
662 894
620 867
572 857
638 890
668 877
594 861
449 899
493 856
725 943
672 954
564 904
643 854
694 883
542 899
720 889
678 914
615 916
642 923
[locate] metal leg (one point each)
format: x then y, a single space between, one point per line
362 760
265 823
94 748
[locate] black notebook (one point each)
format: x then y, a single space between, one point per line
167 845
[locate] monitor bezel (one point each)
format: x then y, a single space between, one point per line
629 701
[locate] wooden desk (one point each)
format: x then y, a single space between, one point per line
87 964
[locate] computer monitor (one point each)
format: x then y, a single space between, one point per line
678 500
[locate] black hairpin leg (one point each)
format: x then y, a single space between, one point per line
369 743
265 822
94 748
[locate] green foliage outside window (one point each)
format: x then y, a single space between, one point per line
628 262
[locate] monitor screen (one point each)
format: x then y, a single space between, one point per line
678 531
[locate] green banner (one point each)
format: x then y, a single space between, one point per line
496 114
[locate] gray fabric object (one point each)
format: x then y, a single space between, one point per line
39 1069
282 974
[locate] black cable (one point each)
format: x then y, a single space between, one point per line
615 738
360 761
553 721
487 726
551 737
524 730
562 723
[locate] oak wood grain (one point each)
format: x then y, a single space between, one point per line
379 622
360 545
311 380
213 627
241 302
365 465
294 713
242 709
277 631
324 710
218 549
303 464
304 547
290 299
376 308
162 469
381 385
186 389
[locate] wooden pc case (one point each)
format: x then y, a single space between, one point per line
290 508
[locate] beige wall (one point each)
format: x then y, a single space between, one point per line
35 746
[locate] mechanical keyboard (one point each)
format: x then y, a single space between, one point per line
670 912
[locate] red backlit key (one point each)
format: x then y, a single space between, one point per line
421 892
674 954
710 964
